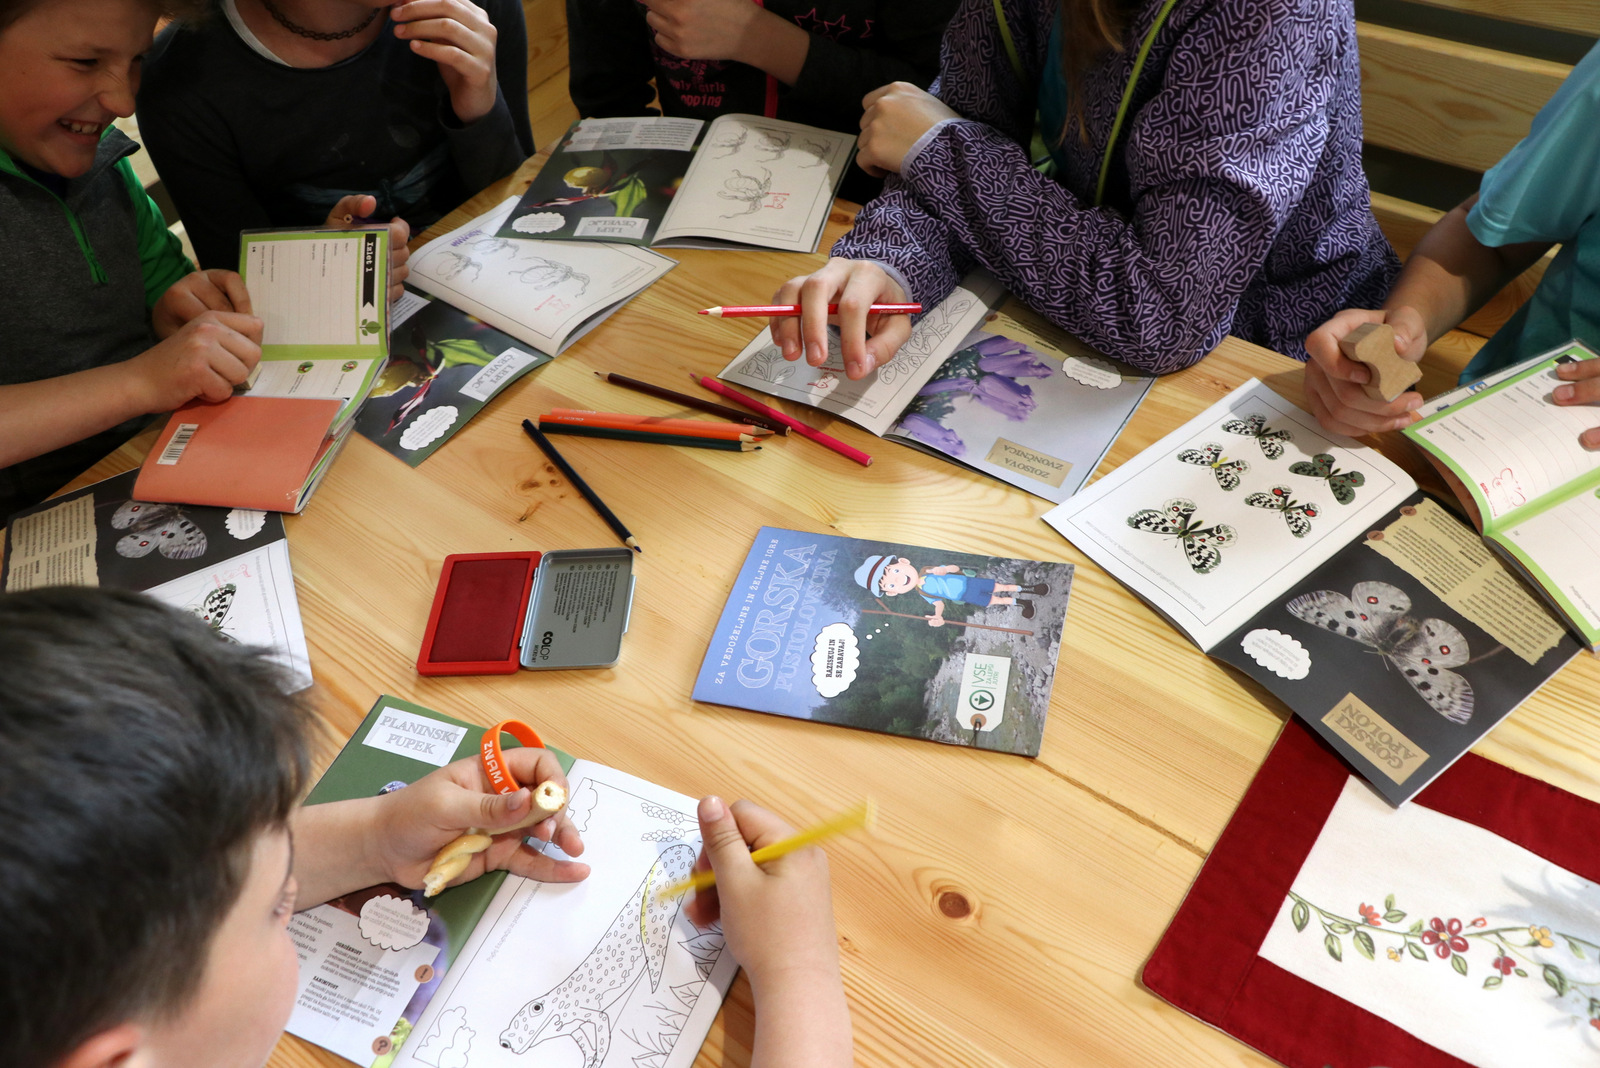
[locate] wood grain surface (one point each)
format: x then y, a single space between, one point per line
1574 16
1002 911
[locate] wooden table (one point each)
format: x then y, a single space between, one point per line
1003 911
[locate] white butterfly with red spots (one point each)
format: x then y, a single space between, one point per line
1375 614
157 526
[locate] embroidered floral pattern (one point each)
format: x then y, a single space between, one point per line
1571 970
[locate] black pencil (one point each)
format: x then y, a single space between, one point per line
583 487
615 434
700 404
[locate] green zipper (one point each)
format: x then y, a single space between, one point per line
96 272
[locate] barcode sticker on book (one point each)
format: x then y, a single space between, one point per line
180 441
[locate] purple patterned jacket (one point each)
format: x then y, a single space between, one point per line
1236 204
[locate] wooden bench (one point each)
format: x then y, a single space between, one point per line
1464 105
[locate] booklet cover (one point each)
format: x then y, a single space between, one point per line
230 567
444 367
751 182
901 639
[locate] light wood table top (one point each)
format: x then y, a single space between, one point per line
1005 907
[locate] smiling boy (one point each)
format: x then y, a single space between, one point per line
104 320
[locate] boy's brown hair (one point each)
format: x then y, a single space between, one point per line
189 10
141 758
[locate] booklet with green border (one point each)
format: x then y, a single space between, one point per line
322 298
1536 488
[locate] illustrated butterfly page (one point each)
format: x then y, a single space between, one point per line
157 526
1295 513
1342 483
213 609
1227 471
1255 426
1375 615
1202 546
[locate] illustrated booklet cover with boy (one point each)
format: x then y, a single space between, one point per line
1314 565
228 566
444 366
900 639
391 979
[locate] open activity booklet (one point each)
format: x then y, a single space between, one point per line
1536 487
983 381
749 182
605 973
546 294
1314 565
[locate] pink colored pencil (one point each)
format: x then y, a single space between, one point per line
707 382
791 311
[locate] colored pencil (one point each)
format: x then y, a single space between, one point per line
699 404
657 424
791 311
573 477
862 816
794 424
615 434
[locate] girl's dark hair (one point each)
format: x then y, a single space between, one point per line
141 758
1089 29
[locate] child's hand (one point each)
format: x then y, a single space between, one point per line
778 919
893 118
702 29
418 821
206 358
1333 381
865 341
459 37
347 214
197 292
1585 389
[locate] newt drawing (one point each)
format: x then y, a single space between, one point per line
748 190
550 274
774 143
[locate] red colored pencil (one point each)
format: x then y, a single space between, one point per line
790 311
707 382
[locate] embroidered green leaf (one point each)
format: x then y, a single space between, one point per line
1492 982
1393 916
1388 903
1301 915
1556 979
1521 974
1417 951
1416 928
1334 947
1363 943
1577 950
1459 963
1339 928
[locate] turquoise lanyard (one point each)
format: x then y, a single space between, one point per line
1127 91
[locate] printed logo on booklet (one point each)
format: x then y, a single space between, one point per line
1390 751
415 736
981 703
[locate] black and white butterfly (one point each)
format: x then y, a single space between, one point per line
1423 651
1295 513
1227 471
1255 426
1202 546
1342 483
157 526
213 609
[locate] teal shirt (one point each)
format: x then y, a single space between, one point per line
1547 188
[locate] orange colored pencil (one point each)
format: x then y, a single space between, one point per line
657 423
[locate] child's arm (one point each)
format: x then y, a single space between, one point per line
1450 275
205 358
347 845
778 920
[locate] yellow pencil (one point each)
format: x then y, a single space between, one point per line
861 816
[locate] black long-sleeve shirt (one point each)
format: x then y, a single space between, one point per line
242 142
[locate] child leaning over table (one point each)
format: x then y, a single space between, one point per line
103 319
153 851
1545 191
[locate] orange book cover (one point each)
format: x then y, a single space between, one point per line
247 452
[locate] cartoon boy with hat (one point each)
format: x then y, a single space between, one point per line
889 576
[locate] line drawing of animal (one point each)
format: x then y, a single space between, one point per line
747 189
818 151
773 142
584 1006
157 526
548 274
731 142
456 265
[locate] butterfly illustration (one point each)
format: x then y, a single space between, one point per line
1201 545
1375 615
157 526
1342 483
1297 514
1227 471
213 610
1255 426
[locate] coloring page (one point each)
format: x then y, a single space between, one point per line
606 972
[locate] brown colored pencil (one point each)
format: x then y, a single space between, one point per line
731 414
